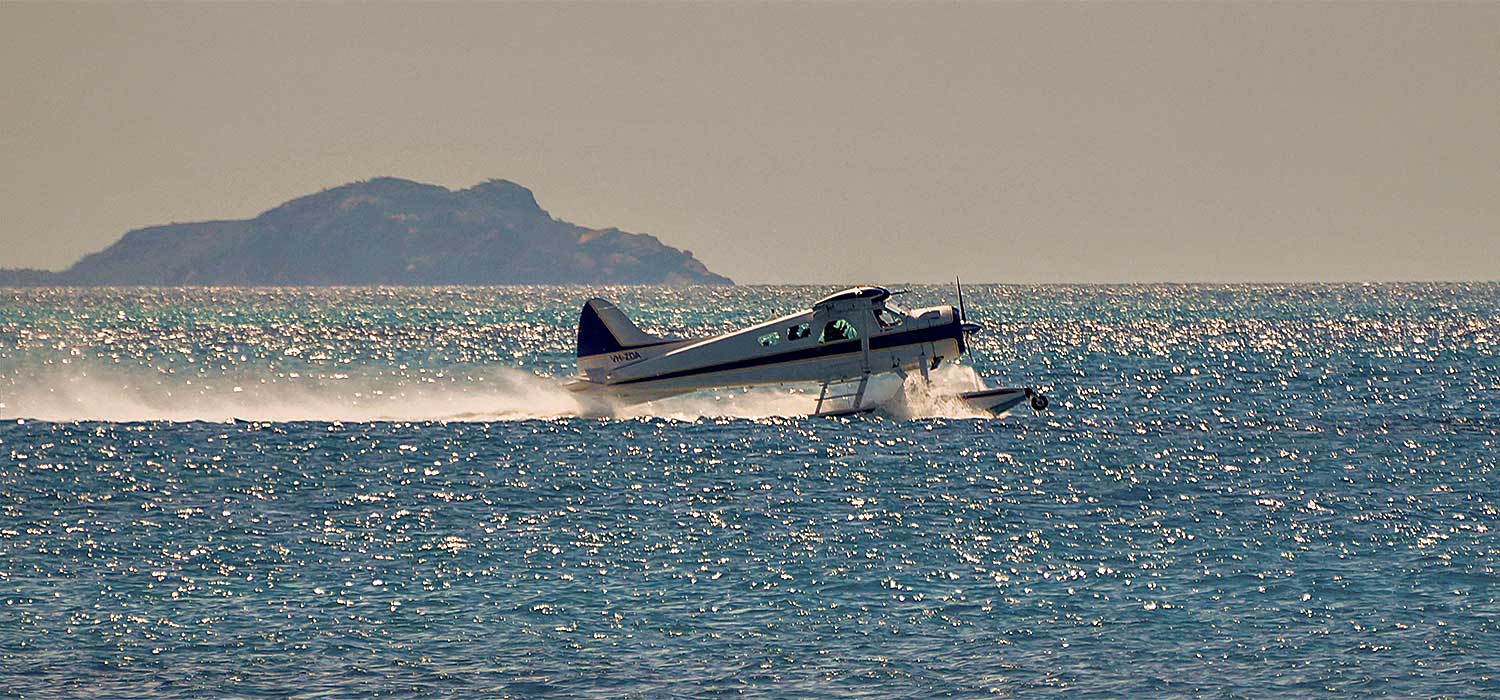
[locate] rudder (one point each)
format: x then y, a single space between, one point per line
603 328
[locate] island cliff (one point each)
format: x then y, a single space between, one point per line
384 231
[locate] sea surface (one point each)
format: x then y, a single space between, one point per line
1239 492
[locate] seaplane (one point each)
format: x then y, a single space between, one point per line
840 342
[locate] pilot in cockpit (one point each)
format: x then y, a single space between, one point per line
838 330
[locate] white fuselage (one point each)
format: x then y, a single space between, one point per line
838 339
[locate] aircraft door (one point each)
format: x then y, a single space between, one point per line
837 323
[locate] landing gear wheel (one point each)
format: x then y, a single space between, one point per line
1038 402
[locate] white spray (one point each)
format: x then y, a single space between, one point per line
77 393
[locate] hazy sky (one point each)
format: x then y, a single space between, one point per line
795 142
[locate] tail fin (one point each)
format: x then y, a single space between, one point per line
602 328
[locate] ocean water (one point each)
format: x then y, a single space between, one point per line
1239 492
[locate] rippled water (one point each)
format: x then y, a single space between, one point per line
1241 491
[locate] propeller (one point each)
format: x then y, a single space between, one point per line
969 327
960 287
966 327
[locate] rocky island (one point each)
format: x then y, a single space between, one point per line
384 231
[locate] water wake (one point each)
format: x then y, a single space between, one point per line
111 394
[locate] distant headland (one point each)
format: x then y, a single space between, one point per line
384 231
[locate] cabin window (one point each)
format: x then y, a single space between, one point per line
887 319
799 331
769 339
838 329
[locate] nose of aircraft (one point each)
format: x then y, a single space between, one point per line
970 327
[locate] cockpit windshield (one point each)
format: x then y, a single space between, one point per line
889 316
